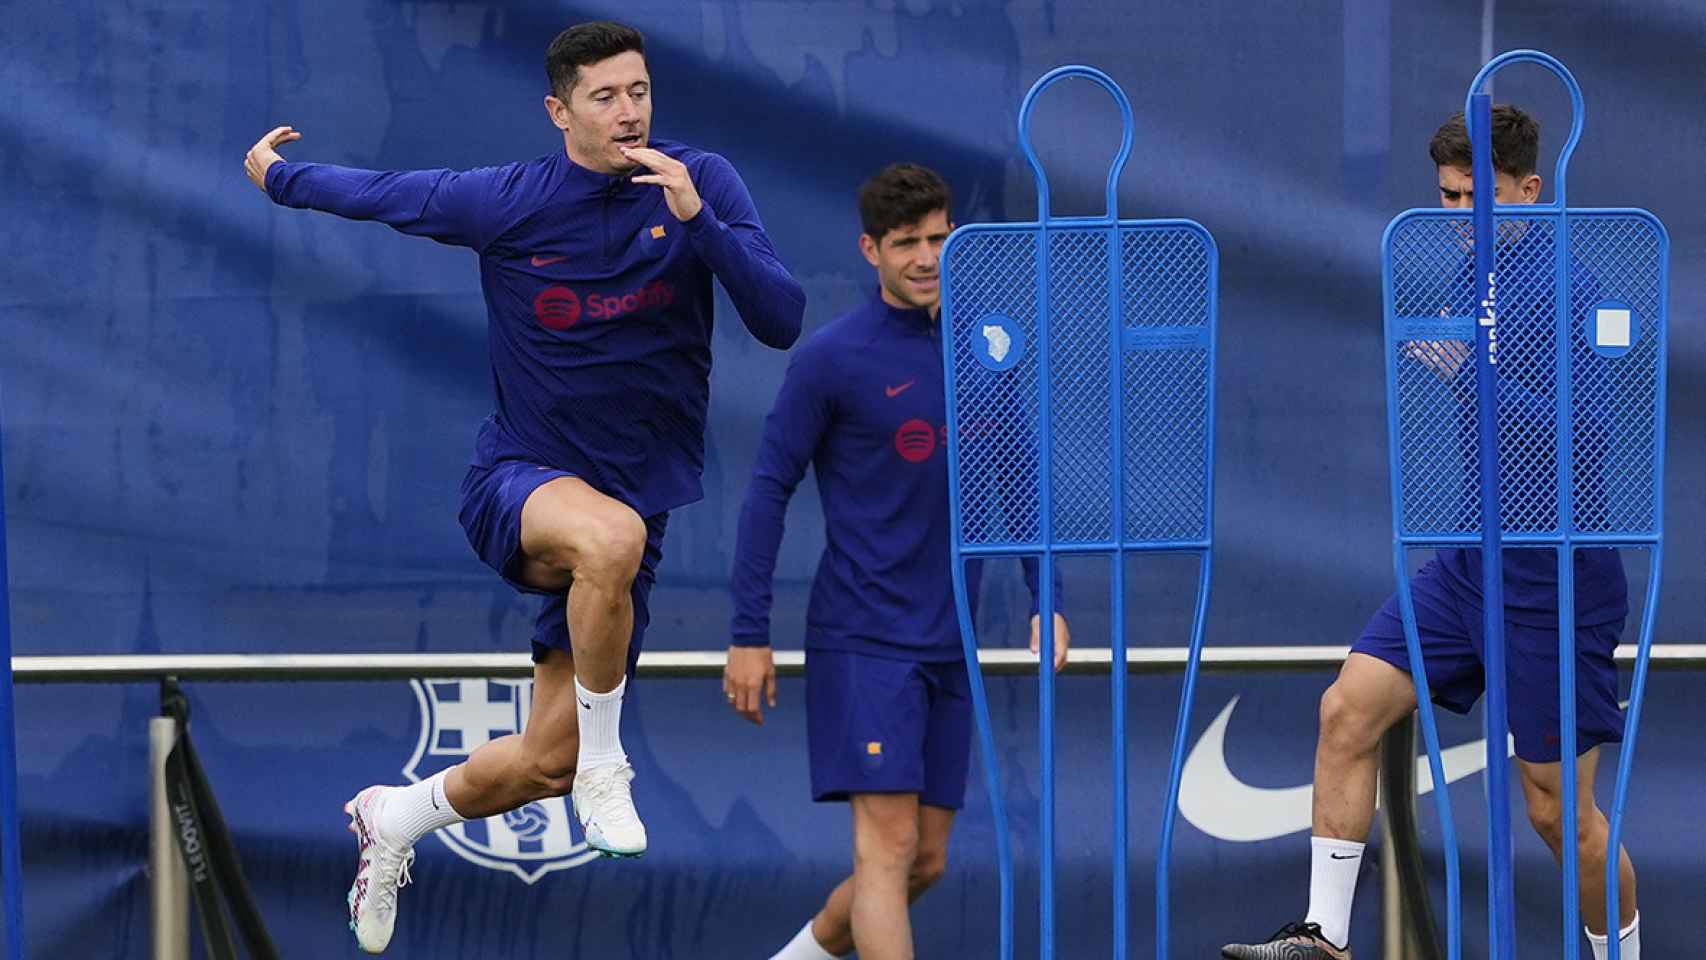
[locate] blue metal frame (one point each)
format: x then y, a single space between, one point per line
1566 541
1501 893
11 857
1118 547
1643 655
1500 886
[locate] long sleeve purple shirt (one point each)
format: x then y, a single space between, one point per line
599 302
864 405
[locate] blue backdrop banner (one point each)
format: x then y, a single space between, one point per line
232 427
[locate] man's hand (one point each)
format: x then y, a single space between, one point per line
1444 357
265 153
670 174
748 680
1062 639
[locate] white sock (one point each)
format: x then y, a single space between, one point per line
1333 869
410 813
804 946
600 716
1628 942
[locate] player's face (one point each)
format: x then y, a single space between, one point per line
609 108
908 261
1457 188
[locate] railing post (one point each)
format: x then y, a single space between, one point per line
1407 925
169 883
1394 941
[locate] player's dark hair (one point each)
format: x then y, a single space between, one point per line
584 44
902 193
1516 142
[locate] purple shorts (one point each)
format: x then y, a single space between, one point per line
879 725
492 498
1451 631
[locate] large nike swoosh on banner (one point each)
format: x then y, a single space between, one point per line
1215 801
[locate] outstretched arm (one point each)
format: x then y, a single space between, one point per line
457 208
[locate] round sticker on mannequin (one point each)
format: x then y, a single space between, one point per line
1612 328
998 342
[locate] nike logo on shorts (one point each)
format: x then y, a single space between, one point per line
897 391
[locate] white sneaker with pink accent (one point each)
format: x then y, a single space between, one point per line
381 871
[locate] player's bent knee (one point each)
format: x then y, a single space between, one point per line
1546 815
1345 725
612 547
891 849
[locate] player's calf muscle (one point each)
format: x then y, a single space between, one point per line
550 775
927 869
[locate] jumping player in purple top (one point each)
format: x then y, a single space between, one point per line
888 701
596 264
1374 689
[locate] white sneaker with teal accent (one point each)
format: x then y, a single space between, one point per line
605 806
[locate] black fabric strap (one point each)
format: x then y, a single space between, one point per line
209 852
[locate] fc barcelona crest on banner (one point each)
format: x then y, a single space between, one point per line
457 717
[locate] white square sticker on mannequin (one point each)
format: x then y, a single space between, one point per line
1611 327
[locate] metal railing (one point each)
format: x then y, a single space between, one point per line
144 668
169 885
